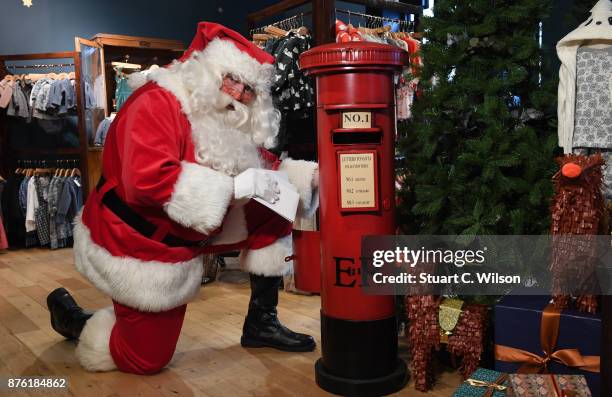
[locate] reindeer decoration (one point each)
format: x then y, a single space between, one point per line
578 208
425 335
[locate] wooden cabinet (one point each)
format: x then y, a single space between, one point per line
96 85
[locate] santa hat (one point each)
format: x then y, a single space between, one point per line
208 31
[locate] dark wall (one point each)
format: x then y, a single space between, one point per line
51 25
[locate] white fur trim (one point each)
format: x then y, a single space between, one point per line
137 80
270 260
93 350
234 227
200 198
170 79
301 173
149 286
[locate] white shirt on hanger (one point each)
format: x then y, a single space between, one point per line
31 206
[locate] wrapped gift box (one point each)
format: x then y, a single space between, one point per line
518 321
529 385
485 382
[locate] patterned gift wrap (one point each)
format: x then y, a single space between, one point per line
531 385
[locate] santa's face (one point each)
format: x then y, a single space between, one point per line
238 90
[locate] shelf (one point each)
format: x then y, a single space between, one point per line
389 5
274 10
46 152
46 55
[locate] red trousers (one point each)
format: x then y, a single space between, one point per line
144 342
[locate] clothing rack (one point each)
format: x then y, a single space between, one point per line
324 14
377 21
39 66
293 22
8 157
58 163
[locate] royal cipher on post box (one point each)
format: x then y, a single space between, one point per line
356 146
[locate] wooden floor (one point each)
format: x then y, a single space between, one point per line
209 360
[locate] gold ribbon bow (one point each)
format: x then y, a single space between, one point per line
491 386
549 334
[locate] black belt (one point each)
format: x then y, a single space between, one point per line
112 201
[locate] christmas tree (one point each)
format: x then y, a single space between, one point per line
479 149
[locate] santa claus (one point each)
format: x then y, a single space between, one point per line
167 197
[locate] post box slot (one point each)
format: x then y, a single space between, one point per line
357 137
357 106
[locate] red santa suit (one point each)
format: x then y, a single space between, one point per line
156 162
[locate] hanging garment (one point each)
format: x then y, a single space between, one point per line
69 204
18 106
61 97
31 199
42 212
13 217
593 120
90 99
123 90
23 195
292 90
405 98
6 93
595 28
52 202
103 130
3 240
31 206
61 225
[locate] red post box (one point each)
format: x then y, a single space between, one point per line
356 147
307 260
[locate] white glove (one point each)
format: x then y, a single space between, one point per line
253 182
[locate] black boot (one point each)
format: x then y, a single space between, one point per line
67 318
261 326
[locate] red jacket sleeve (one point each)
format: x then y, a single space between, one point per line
150 141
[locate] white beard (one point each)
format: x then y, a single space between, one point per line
222 141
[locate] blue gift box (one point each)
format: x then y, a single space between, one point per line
487 376
518 322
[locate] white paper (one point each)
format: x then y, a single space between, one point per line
289 198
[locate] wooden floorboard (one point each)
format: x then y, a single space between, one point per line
209 360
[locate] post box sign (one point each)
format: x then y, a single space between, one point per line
356 120
358 170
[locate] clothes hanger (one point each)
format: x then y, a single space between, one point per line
75 170
262 37
126 64
275 31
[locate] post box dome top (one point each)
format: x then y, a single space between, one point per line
353 54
